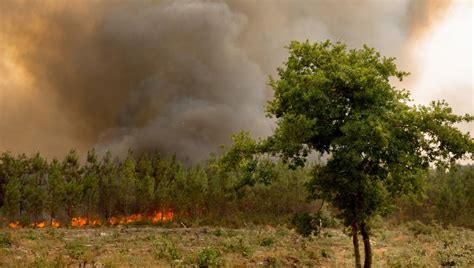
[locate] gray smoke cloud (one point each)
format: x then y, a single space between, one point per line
174 76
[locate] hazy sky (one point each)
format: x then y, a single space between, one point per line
181 76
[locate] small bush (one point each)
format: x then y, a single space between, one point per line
218 232
241 247
166 249
453 253
305 224
5 239
419 228
267 241
31 235
57 234
208 257
77 250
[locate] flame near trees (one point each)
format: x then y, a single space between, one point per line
78 222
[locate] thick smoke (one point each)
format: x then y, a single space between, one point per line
174 76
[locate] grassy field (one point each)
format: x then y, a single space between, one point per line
411 244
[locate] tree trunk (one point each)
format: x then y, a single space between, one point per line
355 241
367 249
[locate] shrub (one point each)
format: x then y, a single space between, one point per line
166 249
267 241
208 257
5 239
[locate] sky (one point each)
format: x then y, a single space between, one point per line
182 76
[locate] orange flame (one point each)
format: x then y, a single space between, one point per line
78 222
14 225
154 218
55 223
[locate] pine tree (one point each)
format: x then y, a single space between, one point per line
107 186
90 183
35 189
55 189
128 183
146 184
72 184
12 197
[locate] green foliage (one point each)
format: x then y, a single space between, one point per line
5 239
267 241
208 257
166 249
330 99
11 206
447 198
77 250
306 224
241 246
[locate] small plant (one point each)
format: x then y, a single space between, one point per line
77 250
453 253
306 224
166 249
282 231
31 235
270 262
208 257
326 253
240 246
57 234
116 234
218 232
41 262
267 241
5 239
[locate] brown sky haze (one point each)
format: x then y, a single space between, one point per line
182 76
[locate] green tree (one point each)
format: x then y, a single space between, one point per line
35 189
55 189
72 171
145 184
128 183
107 185
90 184
338 101
12 197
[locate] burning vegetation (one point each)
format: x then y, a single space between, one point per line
153 218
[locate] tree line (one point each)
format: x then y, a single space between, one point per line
33 190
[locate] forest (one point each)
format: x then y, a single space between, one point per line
153 189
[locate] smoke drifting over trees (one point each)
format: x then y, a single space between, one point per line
176 76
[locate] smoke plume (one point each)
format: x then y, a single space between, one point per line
174 76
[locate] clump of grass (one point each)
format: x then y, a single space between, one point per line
31 235
218 232
282 231
77 250
453 252
5 239
267 241
55 233
412 255
240 246
271 262
166 249
208 257
327 253
116 234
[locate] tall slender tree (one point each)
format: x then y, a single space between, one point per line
72 173
55 189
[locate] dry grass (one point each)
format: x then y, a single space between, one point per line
408 245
